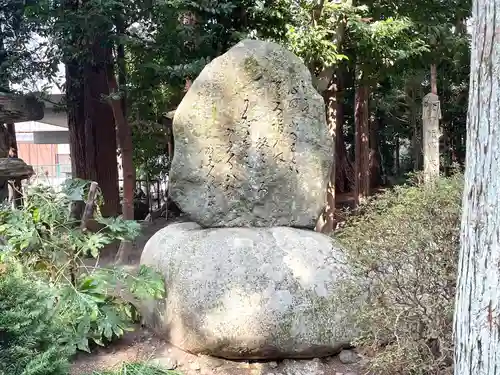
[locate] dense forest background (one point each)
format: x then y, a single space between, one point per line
373 61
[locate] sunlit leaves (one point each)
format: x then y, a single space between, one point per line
97 304
103 304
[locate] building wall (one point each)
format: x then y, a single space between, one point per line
43 158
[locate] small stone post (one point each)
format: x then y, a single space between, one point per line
431 114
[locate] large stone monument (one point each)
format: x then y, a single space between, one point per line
250 293
252 159
251 144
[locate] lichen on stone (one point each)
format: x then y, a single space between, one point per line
252 67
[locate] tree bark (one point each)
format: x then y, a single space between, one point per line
374 156
90 121
125 139
344 171
477 312
397 168
121 63
416 140
76 117
361 147
326 221
92 132
100 133
126 147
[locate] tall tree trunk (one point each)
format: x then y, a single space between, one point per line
344 171
477 310
126 147
76 117
374 156
416 139
121 63
11 129
326 221
75 103
362 162
397 162
91 124
100 133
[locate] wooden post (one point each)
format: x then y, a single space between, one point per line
431 114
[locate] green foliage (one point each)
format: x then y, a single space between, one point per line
177 38
406 245
150 149
383 43
104 303
21 58
313 37
46 237
32 339
97 304
137 368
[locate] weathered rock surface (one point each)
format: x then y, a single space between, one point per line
348 357
251 143
250 293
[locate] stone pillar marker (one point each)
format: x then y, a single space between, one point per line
431 114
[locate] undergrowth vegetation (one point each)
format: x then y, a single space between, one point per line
406 243
32 339
137 368
46 244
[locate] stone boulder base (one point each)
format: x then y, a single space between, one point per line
249 293
251 144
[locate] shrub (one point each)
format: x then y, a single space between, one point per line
406 244
97 304
32 340
138 368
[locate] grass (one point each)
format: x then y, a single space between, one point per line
137 368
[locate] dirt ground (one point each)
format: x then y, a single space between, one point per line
143 345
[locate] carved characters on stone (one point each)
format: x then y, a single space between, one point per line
431 114
265 157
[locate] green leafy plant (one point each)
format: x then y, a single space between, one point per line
137 368
405 244
103 304
32 339
98 304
